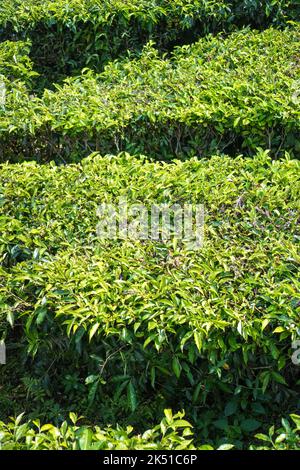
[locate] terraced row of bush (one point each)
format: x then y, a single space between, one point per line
232 95
173 433
96 324
70 35
121 331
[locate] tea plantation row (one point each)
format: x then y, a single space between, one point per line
218 95
70 35
105 336
173 433
118 330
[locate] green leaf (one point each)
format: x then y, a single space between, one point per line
85 439
11 318
250 425
42 312
169 415
176 366
182 423
93 330
198 340
296 419
278 378
262 437
225 447
132 397
221 424
231 408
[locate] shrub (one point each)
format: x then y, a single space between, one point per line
68 36
122 330
217 95
146 322
284 438
173 433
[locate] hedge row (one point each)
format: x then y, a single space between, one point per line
74 34
118 326
219 94
173 433
21 16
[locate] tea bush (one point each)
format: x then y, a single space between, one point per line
137 326
70 35
173 433
285 438
105 336
217 95
16 79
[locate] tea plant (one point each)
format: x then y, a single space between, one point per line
217 95
121 312
159 102
68 36
173 433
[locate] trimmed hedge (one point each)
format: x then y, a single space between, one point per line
139 326
217 95
121 331
16 79
173 433
68 36
21 16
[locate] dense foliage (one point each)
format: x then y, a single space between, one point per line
217 95
224 316
15 63
160 102
173 433
78 33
